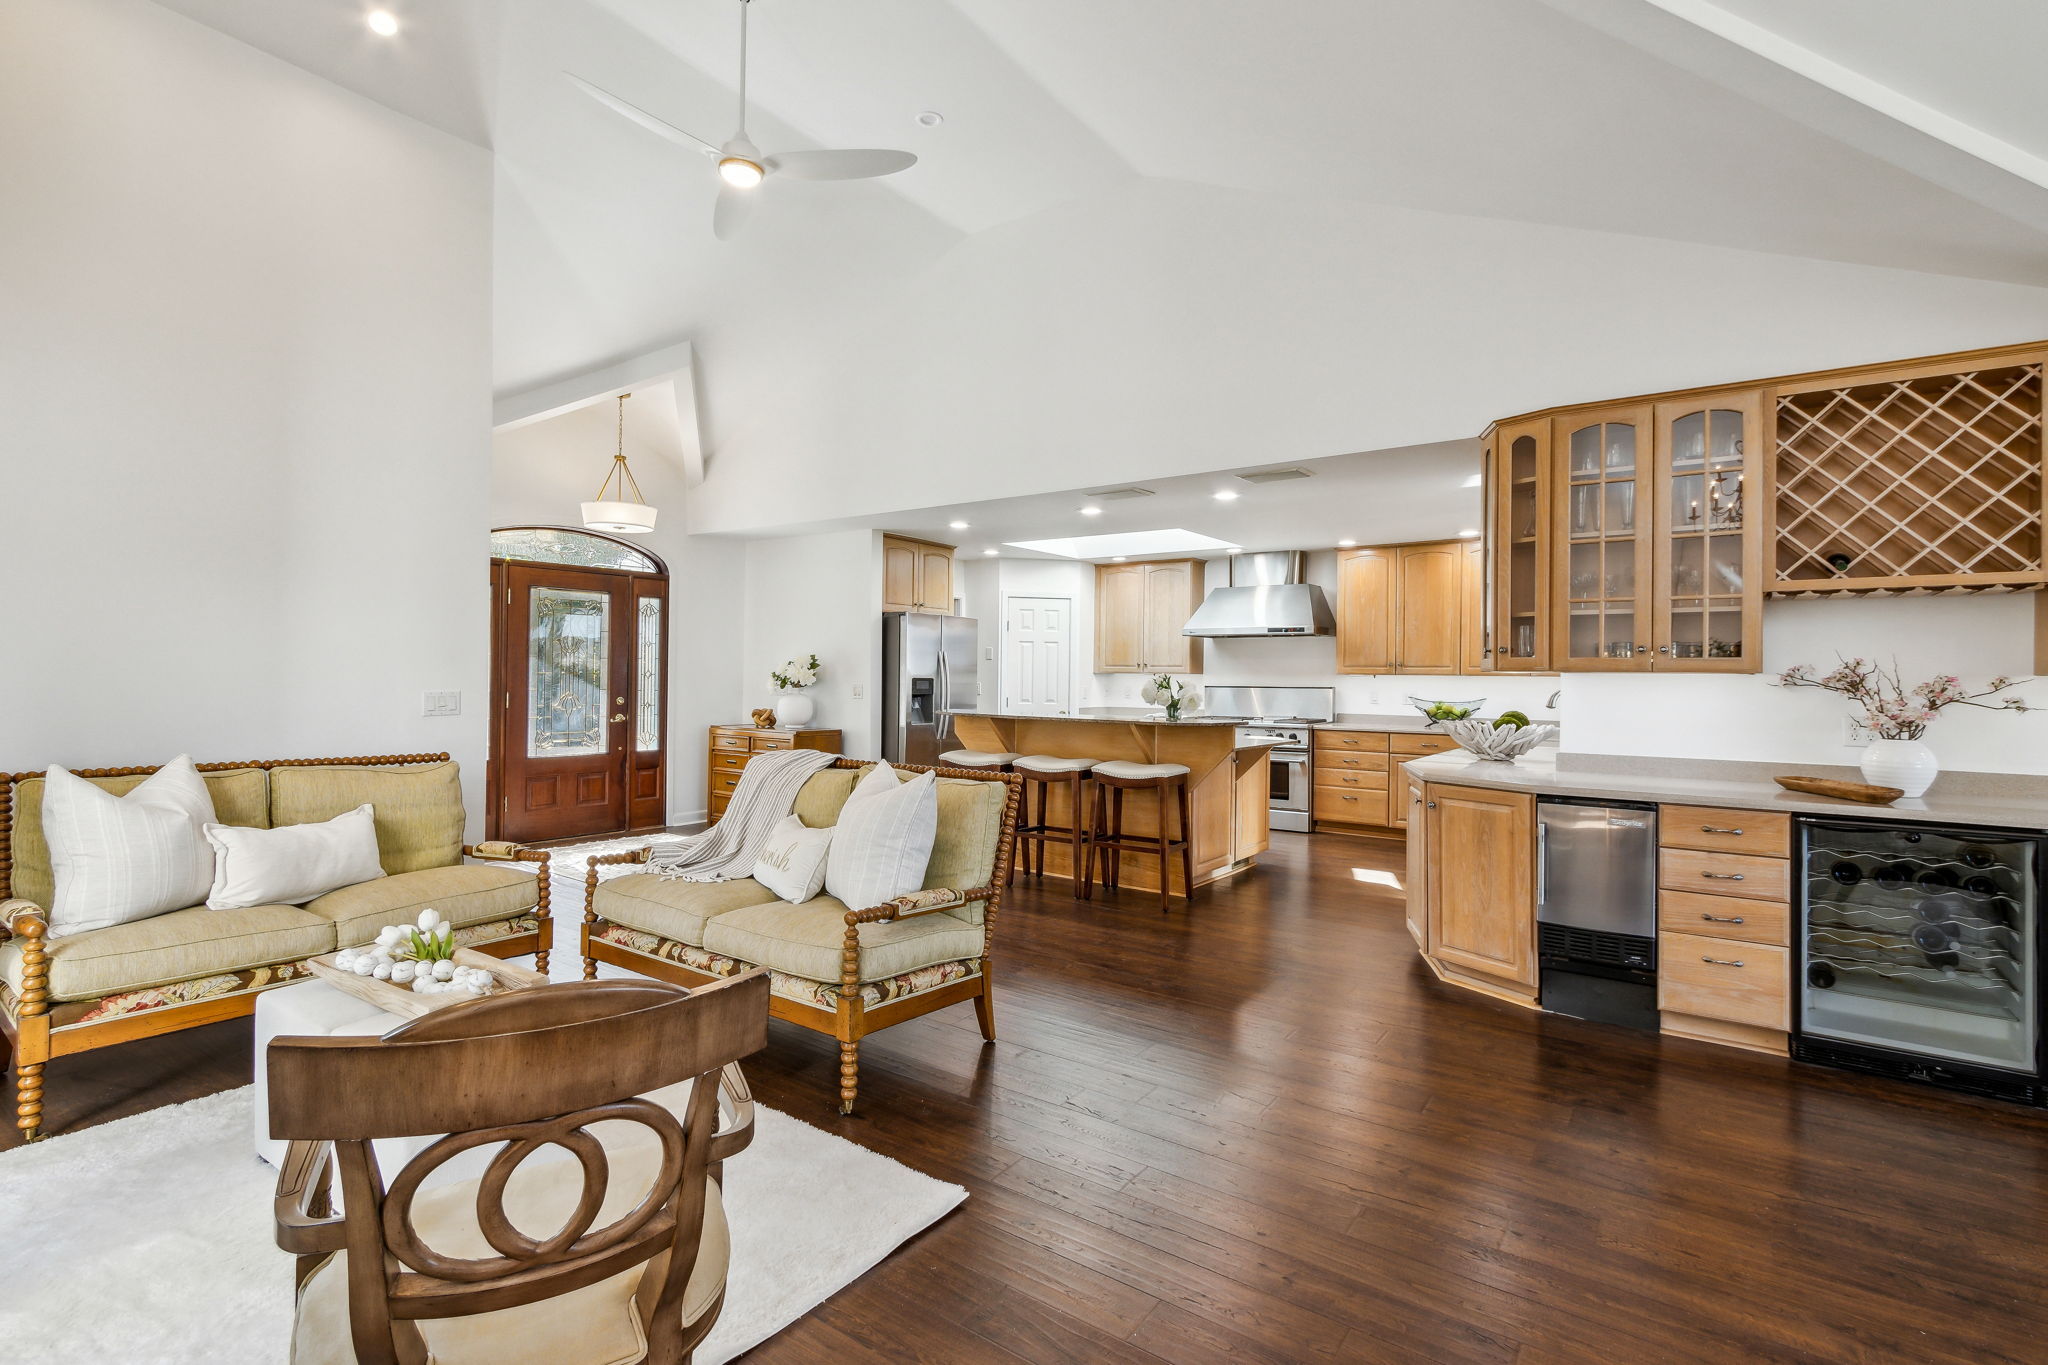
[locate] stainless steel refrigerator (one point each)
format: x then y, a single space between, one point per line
927 676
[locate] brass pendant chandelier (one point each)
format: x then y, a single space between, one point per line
617 513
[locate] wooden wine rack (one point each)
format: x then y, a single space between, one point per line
1922 479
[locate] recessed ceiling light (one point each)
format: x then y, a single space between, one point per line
1225 495
382 22
988 552
1119 559
1468 535
1346 544
930 118
1091 511
1472 482
957 525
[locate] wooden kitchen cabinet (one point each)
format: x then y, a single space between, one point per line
1519 523
1481 871
1140 610
1417 889
1401 608
917 575
1472 626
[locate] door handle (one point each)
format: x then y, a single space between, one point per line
619 717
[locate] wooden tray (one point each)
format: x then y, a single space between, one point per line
1846 791
404 1000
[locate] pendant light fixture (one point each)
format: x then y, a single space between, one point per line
609 514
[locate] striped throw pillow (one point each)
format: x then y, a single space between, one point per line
883 841
122 858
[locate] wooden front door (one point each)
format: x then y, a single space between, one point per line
580 670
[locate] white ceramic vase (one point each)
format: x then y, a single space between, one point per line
794 708
1906 764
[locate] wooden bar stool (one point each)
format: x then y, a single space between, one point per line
1041 771
978 758
1106 827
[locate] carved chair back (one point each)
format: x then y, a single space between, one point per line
528 1069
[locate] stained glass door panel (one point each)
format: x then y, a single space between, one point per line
1602 624
1708 552
568 668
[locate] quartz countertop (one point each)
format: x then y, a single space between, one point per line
1998 800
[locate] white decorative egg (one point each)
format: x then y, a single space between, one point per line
444 970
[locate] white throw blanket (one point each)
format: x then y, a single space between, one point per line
726 851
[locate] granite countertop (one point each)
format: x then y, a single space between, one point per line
2001 800
1117 715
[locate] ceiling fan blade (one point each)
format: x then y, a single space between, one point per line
842 164
731 211
659 127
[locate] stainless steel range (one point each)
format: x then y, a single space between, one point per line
1286 714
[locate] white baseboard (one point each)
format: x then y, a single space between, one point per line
686 818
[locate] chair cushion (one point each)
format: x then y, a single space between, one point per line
1139 771
595 1325
671 907
241 796
805 940
1047 763
464 895
176 947
977 758
419 809
963 850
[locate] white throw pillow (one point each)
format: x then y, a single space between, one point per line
121 858
292 864
792 860
883 841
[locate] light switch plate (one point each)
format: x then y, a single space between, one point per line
440 703
859 690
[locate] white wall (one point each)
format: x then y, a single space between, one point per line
540 474
1174 328
818 595
1744 717
244 404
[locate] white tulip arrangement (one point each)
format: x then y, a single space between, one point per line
421 957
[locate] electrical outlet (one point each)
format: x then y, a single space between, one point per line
440 703
1855 732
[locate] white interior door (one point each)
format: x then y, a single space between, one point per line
1038 655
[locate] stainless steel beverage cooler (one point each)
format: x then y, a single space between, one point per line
927 676
1919 954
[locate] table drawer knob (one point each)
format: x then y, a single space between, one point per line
1721 919
1723 961
1723 876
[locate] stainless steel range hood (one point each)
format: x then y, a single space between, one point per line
1266 596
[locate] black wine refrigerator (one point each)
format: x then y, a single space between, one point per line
1920 954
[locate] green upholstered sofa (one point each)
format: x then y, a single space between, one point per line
840 969
195 966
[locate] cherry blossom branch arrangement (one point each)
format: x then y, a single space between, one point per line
1890 708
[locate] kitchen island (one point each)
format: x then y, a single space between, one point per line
1228 783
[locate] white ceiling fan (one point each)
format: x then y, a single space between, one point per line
741 167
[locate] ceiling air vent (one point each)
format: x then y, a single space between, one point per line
1276 475
1119 494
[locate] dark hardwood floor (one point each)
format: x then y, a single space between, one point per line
1259 1131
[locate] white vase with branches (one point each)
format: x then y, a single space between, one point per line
1898 715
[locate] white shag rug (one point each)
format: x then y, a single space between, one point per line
567 867
148 1240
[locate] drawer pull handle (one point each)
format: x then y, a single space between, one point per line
1723 961
1721 919
1723 876
1716 829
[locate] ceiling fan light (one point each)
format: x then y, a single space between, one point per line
740 172
629 518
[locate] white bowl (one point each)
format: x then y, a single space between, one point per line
1502 745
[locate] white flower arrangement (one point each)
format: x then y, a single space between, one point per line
797 673
1163 689
421 956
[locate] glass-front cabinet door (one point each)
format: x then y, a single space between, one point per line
1709 545
1518 501
1600 617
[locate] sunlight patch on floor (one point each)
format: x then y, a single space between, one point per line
1376 877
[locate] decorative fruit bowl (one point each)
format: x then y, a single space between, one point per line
1439 713
1501 744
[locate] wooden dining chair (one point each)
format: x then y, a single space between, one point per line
459 1270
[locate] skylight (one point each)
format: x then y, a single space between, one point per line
1173 542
